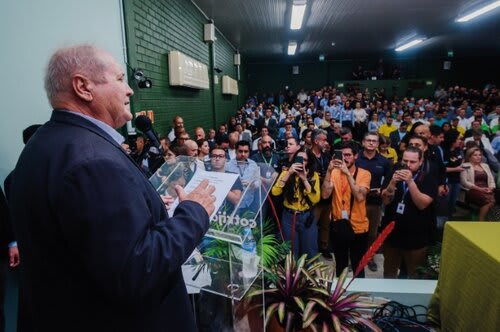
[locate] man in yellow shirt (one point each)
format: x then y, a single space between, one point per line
387 128
348 186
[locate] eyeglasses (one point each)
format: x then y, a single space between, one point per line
218 156
371 140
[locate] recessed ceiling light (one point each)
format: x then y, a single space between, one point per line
292 47
298 11
333 43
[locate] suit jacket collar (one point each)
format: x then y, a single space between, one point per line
65 116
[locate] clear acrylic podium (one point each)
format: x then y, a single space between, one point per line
216 266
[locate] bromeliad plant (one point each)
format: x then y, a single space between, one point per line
307 296
294 285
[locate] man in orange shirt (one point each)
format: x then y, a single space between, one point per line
348 186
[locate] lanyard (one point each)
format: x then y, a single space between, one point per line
405 187
264 158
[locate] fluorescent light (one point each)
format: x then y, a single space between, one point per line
297 16
292 47
478 12
409 44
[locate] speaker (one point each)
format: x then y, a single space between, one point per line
209 32
237 59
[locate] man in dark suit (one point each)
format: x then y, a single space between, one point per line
99 250
396 136
269 122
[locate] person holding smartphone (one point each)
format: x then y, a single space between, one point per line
348 186
408 195
300 187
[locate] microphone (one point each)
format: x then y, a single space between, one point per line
143 123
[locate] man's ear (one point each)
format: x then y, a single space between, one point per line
81 87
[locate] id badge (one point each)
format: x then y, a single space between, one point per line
345 215
268 174
401 208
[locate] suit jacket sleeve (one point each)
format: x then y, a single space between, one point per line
119 229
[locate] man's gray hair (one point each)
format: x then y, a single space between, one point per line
82 59
316 132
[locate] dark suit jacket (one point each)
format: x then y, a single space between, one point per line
394 137
99 250
272 126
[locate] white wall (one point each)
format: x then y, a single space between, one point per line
30 31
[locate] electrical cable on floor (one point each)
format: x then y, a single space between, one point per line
394 315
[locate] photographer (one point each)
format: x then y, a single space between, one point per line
299 185
408 197
348 186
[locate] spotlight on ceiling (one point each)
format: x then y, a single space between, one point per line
292 47
478 12
142 81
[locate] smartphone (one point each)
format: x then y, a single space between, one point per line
400 166
337 154
299 159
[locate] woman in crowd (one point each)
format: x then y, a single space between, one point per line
453 157
203 153
478 180
385 149
300 187
346 115
374 123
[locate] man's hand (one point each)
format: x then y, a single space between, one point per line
340 164
403 175
202 194
14 256
167 200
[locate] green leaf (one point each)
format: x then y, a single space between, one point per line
281 311
307 311
269 312
299 302
322 303
336 323
311 319
338 287
319 290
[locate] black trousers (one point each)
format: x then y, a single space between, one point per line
354 249
3 283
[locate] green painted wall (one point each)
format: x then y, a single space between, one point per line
153 29
265 75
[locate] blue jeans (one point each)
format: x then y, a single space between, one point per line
305 238
454 191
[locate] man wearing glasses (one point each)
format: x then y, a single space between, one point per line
380 169
246 168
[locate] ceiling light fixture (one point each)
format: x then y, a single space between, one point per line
480 11
292 47
298 11
409 44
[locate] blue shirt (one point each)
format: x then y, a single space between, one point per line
104 126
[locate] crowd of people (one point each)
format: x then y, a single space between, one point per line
349 163
92 237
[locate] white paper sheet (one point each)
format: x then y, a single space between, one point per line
223 182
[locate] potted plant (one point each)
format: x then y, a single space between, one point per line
294 284
307 296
